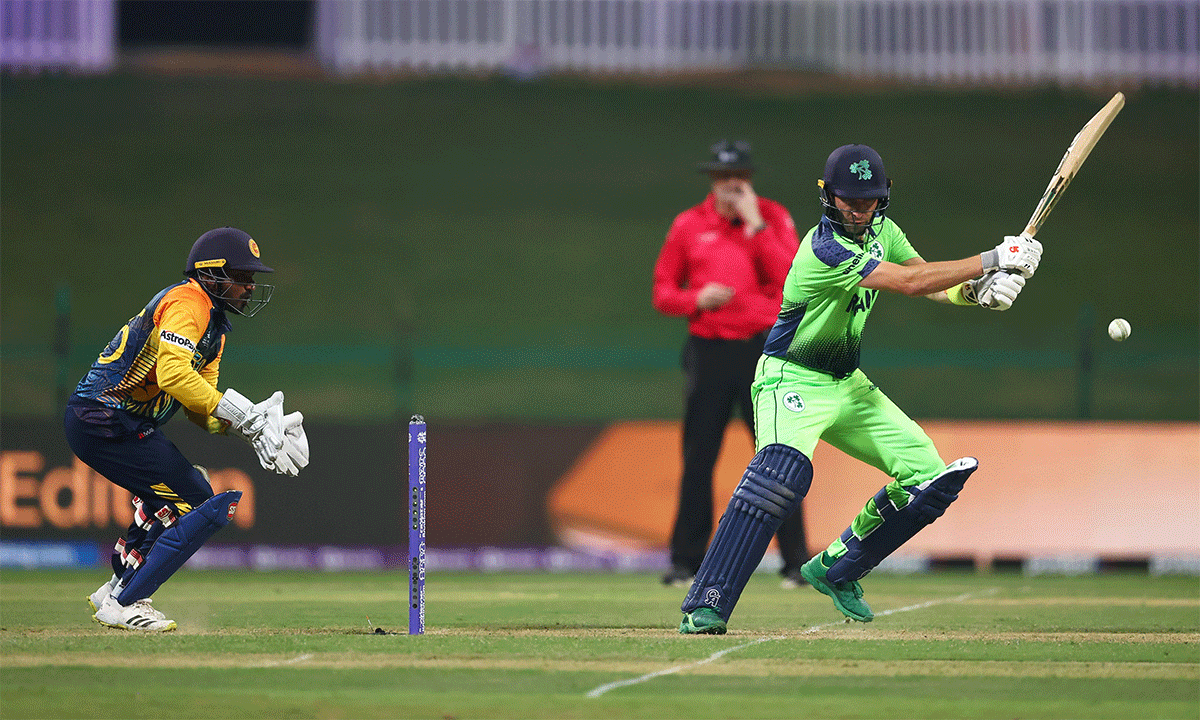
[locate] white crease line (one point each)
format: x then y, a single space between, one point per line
634 681
293 661
597 692
930 603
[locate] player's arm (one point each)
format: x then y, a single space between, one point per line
180 323
915 277
1003 270
210 372
941 296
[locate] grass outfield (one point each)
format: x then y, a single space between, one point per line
297 645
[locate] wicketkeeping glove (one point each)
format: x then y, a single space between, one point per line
996 290
250 422
293 457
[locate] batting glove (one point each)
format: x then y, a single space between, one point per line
996 290
1018 253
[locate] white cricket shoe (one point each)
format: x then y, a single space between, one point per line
138 616
96 599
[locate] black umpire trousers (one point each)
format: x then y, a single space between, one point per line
718 375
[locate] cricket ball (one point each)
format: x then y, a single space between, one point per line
1119 329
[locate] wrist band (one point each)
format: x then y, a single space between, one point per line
955 294
990 260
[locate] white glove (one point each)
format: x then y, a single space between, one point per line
252 423
281 464
1018 253
293 457
996 291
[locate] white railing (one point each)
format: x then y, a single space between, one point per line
1067 42
928 41
75 35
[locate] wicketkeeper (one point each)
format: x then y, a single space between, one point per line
808 387
166 357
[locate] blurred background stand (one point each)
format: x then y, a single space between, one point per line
935 42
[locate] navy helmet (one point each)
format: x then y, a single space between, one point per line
854 172
217 252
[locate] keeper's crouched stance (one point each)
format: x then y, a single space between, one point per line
167 357
808 387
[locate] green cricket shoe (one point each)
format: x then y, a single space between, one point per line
847 596
702 621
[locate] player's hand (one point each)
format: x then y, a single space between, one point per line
713 295
996 291
252 423
293 457
285 462
1018 253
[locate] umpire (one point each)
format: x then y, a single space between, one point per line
722 267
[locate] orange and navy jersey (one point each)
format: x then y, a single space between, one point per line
166 356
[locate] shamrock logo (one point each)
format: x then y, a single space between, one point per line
862 169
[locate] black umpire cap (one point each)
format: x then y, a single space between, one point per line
729 156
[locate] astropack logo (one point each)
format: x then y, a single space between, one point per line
176 339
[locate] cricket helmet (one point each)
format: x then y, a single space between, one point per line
854 172
729 156
217 252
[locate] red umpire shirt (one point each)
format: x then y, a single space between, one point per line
702 247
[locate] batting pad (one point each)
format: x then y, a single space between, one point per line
774 483
898 525
176 544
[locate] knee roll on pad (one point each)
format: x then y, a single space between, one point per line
928 502
178 543
774 483
771 481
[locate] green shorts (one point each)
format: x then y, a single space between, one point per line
796 406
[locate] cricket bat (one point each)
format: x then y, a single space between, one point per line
1072 160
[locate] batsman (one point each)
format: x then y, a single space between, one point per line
167 357
808 387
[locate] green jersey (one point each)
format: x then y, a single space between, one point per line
821 321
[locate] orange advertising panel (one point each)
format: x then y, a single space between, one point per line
34 495
1042 488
